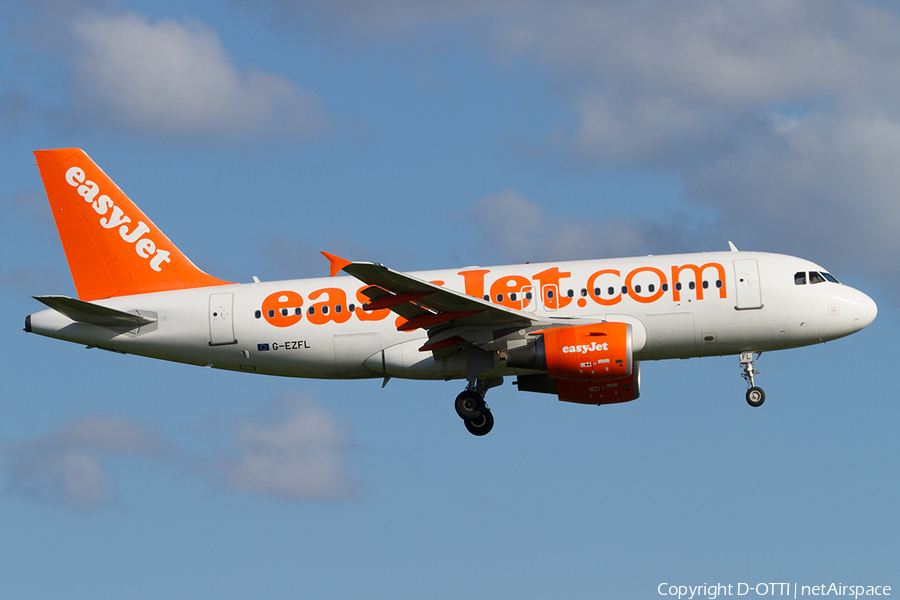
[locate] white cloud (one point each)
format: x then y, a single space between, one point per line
393 19
65 467
292 450
175 79
517 229
664 81
783 117
825 187
299 453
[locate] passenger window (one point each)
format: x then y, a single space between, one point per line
570 293
583 292
651 288
800 278
816 277
692 285
637 289
665 287
258 314
611 291
705 285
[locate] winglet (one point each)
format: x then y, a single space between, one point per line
337 263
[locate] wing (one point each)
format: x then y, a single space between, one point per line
449 317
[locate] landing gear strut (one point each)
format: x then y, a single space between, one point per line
472 409
755 395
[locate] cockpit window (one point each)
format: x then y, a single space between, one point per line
800 278
830 277
816 277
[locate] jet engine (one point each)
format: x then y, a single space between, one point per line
587 364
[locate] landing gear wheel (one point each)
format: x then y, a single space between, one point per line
470 406
755 397
482 425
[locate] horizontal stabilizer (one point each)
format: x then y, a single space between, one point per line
86 312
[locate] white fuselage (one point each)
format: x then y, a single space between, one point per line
679 306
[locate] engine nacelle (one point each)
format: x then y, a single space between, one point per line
580 353
612 391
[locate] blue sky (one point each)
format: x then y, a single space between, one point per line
426 136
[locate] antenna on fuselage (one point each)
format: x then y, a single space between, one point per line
732 246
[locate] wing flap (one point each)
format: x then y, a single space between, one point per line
414 298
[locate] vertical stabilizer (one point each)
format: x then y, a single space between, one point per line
112 248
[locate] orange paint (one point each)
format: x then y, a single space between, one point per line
646 299
280 308
550 279
434 319
592 285
332 309
698 279
507 285
474 282
593 352
366 315
336 263
623 389
113 249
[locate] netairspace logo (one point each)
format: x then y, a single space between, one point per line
793 590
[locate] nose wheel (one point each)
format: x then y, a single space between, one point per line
755 395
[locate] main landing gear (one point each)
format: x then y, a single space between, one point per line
473 410
755 395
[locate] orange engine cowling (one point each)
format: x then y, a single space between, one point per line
611 391
592 352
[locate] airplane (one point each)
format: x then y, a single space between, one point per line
576 329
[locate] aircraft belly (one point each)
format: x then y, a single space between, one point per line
351 350
669 335
405 360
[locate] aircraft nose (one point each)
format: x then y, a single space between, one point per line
864 312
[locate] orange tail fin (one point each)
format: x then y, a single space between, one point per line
113 249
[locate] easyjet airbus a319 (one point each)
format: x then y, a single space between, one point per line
577 329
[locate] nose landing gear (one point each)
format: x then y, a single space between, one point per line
755 395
